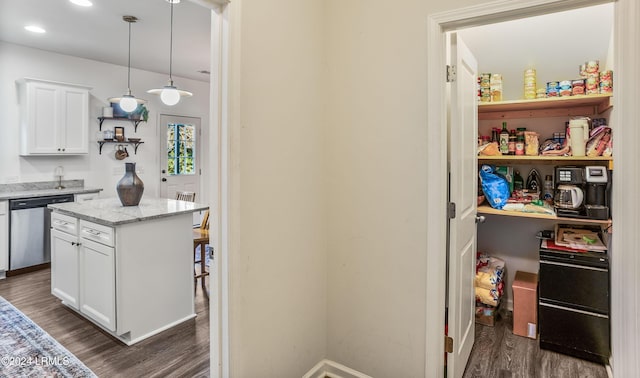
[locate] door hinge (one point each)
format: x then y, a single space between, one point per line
448 344
451 210
451 74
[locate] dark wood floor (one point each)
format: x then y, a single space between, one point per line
499 353
180 351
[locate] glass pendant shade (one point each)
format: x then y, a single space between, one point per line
128 103
169 95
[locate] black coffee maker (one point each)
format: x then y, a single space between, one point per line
597 192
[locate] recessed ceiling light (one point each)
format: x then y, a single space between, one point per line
173 1
82 3
35 29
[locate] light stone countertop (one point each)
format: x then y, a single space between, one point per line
43 189
110 212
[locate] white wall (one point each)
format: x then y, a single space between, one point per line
377 151
278 245
107 80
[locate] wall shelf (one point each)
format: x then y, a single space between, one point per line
545 107
135 122
135 144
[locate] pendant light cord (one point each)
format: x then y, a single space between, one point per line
129 63
171 46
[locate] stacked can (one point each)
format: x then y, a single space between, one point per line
496 87
530 84
577 87
592 81
541 93
564 89
485 87
606 81
552 89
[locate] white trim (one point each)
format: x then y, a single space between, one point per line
625 260
330 369
625 265
219 164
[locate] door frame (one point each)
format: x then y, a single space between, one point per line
224 15
625 288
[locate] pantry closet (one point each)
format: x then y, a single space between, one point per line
555 45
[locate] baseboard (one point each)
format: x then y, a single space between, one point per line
330 369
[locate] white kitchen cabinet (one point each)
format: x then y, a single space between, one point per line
97 283
83 268
54 118
64 267
4 238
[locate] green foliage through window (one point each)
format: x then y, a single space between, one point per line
181 154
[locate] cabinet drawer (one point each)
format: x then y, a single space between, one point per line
64 223
96 232
582 286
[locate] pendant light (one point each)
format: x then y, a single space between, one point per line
128 102
169 94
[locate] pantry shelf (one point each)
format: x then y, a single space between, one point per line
545 107
485 209
582 160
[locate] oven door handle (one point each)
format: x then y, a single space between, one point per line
573 266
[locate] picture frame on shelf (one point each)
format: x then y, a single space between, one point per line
119 133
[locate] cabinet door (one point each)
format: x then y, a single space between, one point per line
42 119
4 236
97 282
64 267
74 138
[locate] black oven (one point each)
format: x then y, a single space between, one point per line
574 303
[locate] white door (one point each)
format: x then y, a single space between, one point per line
180 155
463 131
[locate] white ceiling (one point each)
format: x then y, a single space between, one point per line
99 33
555 45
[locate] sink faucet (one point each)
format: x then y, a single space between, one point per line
59 172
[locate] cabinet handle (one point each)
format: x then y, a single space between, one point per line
74 243
64 149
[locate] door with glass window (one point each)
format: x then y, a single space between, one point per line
179 155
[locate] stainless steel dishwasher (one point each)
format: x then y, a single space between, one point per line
29 224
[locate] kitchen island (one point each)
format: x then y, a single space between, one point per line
128 269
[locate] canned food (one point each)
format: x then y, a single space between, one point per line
577 87
552 89
606 81
592 66
592 84
583 71
564 88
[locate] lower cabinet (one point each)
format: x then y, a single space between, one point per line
97 283
83 270
64 267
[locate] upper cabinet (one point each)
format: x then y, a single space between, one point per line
54 118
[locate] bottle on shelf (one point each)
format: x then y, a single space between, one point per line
504 139
494 134
518 182
512 142
548 188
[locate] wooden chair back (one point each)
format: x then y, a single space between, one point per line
186 196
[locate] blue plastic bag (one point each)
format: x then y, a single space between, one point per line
495 187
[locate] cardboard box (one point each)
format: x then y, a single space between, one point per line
487 315
525 304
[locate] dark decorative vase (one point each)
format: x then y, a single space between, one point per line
130 187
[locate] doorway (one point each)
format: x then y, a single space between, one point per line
180 155
438 102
